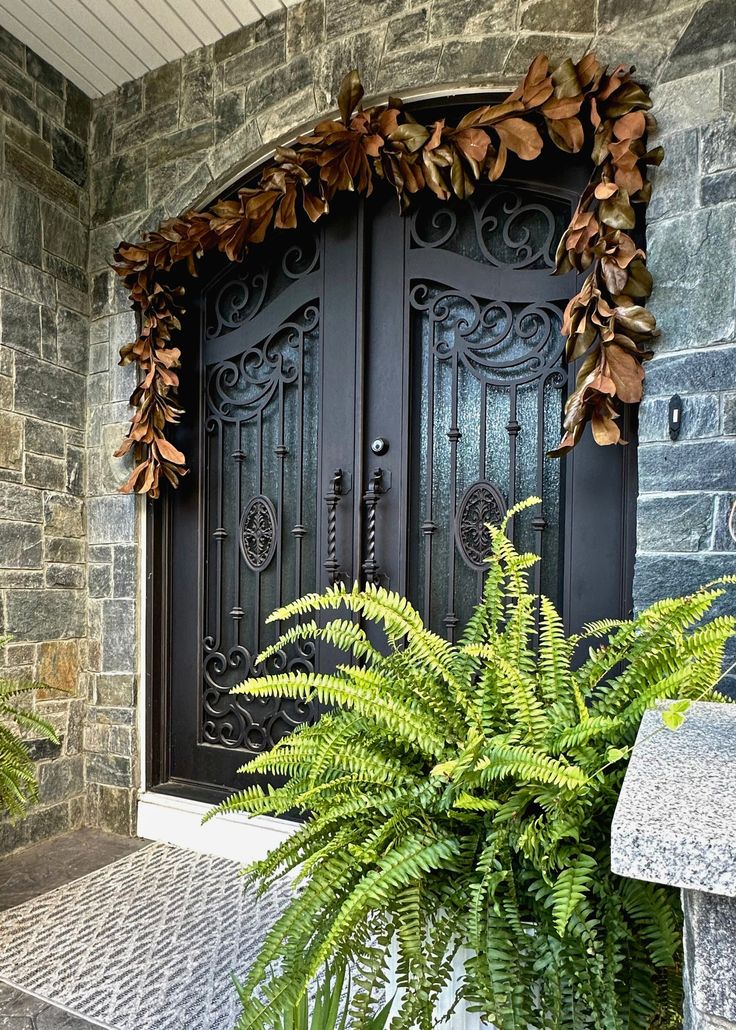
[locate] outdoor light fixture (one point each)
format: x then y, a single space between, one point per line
675 416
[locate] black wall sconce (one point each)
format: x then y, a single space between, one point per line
675 416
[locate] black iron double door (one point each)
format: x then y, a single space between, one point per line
372 391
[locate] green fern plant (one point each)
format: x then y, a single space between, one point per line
328 1009
461 797
18 784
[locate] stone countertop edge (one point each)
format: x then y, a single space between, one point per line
675 822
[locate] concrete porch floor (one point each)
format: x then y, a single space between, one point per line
34 871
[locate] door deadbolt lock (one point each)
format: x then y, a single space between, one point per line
379 445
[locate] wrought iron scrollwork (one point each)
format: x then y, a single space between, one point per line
481 504
258 533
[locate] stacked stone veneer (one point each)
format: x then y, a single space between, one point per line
172 139
44 347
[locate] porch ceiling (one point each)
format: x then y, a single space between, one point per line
99 44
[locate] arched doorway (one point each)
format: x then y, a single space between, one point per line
369 392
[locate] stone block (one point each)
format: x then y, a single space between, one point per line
27 140
103 122
58 666
708 41
11 440
45 390
61 779
718 189
67 576
42 72
570 15
20 222
471 18
689 264
691 373
75 457
137 131
64 235
45 614
78 111
687 466
118 636
11 48
700 418
677 180
63 515
44 438
362 51
178 144
99 580
298 109
109 770
44 471
161 85
719 144
655 574
20 503
232 153
20 545
196 87
40 824
21 323
73 340
674 522
729 414
401 71
250 64
24 279
711 931
250 36
111 519
48 334
125 570
129 100
115 690
408 30
115 809
14 76
305 27
229 113
42 749
50 183
343 17
724 521
50 105
118 187
474 59
63 549
16 106
687 103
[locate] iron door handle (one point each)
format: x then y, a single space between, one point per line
332 499
371 498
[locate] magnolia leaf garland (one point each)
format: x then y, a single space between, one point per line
606 323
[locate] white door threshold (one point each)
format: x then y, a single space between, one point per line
239 838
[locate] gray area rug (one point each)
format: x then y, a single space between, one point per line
146 943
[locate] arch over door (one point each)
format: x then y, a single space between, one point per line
371 391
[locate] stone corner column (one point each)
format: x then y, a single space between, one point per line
675 824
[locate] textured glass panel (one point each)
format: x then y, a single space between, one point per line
481 430
261 498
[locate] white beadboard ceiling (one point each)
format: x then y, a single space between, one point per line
99 44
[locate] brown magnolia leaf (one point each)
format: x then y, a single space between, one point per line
412 135
473 144
521 137
617 212
605 430
496 162
627 97
562 107
604 190
170 453
565 78
638 280
630 126
567 134
635 319
350 95
626 372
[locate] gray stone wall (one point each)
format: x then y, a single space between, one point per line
44 306
710 974
172 138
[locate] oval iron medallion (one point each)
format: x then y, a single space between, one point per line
481 503
258 533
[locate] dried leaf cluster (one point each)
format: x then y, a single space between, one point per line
606 322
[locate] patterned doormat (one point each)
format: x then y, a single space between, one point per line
146 943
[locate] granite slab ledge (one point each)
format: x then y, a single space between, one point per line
675 822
